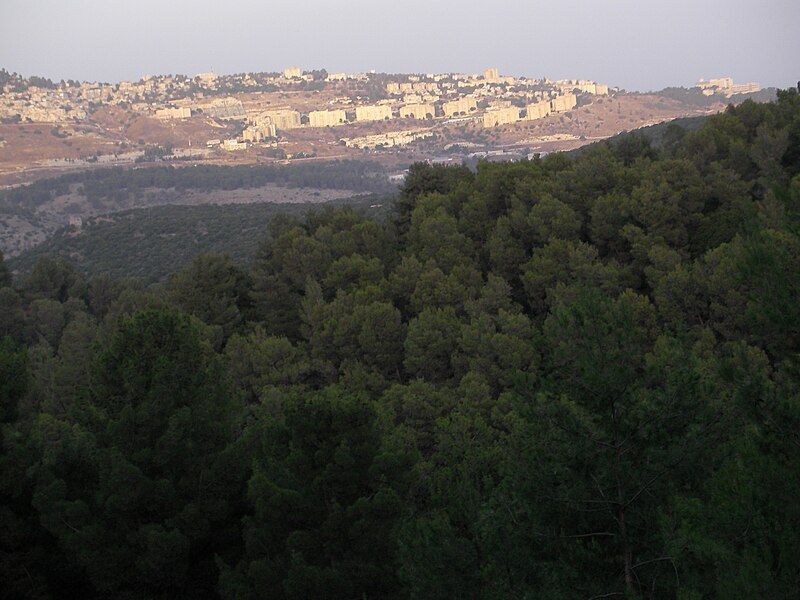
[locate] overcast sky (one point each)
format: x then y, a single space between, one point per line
634 44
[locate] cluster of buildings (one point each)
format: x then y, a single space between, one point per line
461 95
487 97
565 86
506 115
73 102
726 86
490 98
164 96
41 105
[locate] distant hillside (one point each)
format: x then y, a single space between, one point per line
152 242
695 96
655 134
30 214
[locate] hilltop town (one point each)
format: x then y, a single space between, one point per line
46 127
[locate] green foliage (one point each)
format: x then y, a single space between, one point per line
5 274
152 483
326 498
212 289
153 242
574 377
430 344
423 179
55 280
13 379
102 185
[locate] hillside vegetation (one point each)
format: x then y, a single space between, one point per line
30 214
574 377
153 242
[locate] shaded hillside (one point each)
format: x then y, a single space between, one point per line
31 213
670 132
657 135
150 243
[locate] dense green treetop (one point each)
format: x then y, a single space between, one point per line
569 377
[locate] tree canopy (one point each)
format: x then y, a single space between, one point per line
568 377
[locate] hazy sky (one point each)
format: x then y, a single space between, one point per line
635 44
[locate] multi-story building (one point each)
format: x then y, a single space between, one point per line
208 79
538 110
582 85
387 140
326 118
291 72
376 112
94 94
174 113
462 106
500 116
224 108
417 111
563 103
258 133
425 87
723 83
744 88
234 144
252 134
281 119
726 86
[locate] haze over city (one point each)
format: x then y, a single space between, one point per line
636 45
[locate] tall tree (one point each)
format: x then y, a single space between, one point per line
139 493
617 427
326 499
